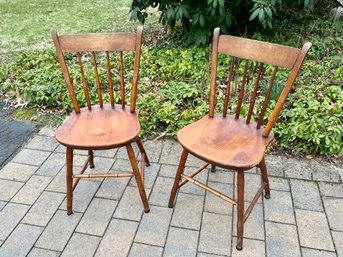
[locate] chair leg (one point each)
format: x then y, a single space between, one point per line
91 159
138 177
240 209
265 180
142 150
182 163
213 168
69 181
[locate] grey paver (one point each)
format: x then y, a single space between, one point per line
38 252
154 226
254 226
334 212
122 153
153 148
324 172
142 250
330 189
214 203
42 143
278 183
222 176
188 211
81 245
10 216
161 191
112 188
29 193
58 231
97 217
47 131
17 171
171 154
181 242
20 241
117 239
297 169
58 184
313 230
215 234
190 187
167 170
102 165
338 239
306 195
279 207
44 208
316 253
110 153
281 240
251 248
52 165
83 194
274 165
2 205
130 206
8 189
201 254
150 174
31 157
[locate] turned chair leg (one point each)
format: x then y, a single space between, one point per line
240 209
69 181
91 159
179 172
213 168
138 177
265 180
142 150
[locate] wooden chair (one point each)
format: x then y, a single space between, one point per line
230 141
100 126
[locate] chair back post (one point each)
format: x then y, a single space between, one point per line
215 41
289 83
139 35
65 70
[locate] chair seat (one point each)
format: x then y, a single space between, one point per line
226 142
99 128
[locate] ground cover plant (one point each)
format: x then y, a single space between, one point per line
174 83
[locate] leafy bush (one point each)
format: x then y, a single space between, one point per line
199 18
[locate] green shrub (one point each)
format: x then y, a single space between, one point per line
199 18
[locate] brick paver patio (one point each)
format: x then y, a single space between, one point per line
304 216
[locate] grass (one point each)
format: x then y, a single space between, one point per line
25 25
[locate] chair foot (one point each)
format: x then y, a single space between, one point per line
147 210
267 196
171 205
239 248
69 213
91 166
147 164
213 170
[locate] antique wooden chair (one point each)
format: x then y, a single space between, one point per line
230 141
100 126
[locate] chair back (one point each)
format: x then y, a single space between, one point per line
88 49
251 62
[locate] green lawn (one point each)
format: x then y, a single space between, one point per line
26 24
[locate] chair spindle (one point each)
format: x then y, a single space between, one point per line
228 88
109 76
241 93
266 99
84 81
254 94
97 80
122 84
